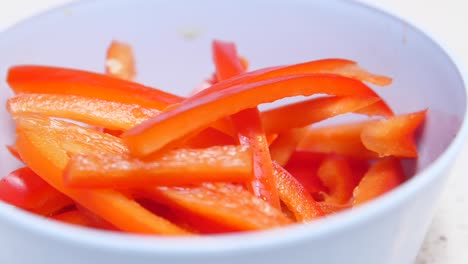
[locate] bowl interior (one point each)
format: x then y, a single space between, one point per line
172 44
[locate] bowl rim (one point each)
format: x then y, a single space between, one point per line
260 239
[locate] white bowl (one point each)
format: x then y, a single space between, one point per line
388 230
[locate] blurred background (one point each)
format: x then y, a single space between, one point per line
446 20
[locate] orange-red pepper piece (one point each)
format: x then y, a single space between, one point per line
315 110
249 127
56 80
97 112
188 220
386 174
174 168
226 203
295 196
44 144
120 61
197 113
343 139
393 136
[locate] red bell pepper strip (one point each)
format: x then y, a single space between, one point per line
200 112
343 139
114 117
383 176
295 196
311 111
174 168
315 110
249 127
120 61
337 175
225 203
44 144
340 67
24 189
97 112
55 80
368 139
226 60
393 136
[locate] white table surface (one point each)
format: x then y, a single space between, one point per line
447 240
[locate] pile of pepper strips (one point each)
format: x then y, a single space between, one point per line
141 160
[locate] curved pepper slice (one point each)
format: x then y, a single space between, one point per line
97 112
44 144
56 80
191 115
337 175
340 67
383 176
175 168
226 203
249 127
25 189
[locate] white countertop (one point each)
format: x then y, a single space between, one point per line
447 240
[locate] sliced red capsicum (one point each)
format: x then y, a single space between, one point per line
44 144
226 203
393 136
295 196
56 80
198 113
317 109
97 112
385 175
340 67
249 127
178 167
